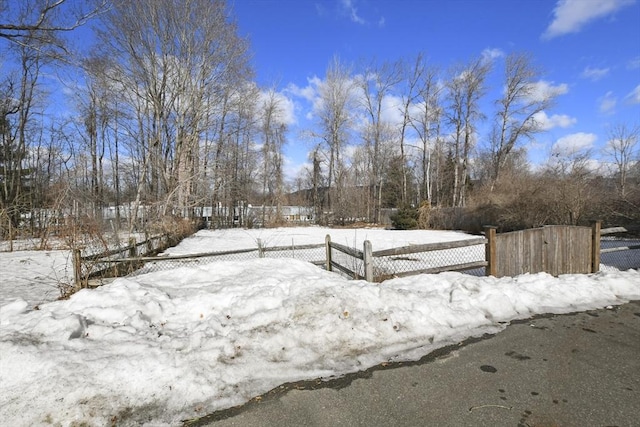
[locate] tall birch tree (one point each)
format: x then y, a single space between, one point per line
376 84
518 108
465 88
335 122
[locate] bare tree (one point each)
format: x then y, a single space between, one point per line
21 102
180 61
412 75
571 172
38 23
622 150
273 129
425 120
335 116
376 84
10 159
97 108
230 153
517 110
465 88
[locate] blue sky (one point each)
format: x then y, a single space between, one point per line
589 50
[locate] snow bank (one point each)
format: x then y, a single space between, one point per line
173 345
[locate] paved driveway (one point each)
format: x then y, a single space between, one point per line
571 370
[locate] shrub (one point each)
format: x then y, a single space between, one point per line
405 219
424 213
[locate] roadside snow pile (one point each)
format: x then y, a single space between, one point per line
173 345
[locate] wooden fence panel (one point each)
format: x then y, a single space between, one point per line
553 248
519 252
115 262
557 249
568 249
581 249
535 244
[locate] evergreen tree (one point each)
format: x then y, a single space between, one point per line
405 219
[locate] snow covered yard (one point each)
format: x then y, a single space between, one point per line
37 276
167 346
224 240
34 276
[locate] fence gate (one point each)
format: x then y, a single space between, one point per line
555 249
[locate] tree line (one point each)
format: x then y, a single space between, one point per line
168 118
409 135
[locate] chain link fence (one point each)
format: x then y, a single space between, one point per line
464 255
467 256
349 264
92 261
136 265
162 263
619 253
460 258
315 254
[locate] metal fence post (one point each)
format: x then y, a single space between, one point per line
327 243
368 261
595 246
490 251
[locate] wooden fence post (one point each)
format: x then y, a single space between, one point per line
327 243
260 249
368 261
490 251
77 269
132 247
595 246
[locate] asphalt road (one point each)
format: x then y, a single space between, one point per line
580 369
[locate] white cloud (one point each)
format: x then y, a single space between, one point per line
634 96
309 92
288 113
489 54
571 15
285 106
320 10
347 8
554 121
573 144
634 64
608 103
313 93
593 165
352 11
543 89
392 110
293 169
594 74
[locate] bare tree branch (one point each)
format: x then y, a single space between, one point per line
34 23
